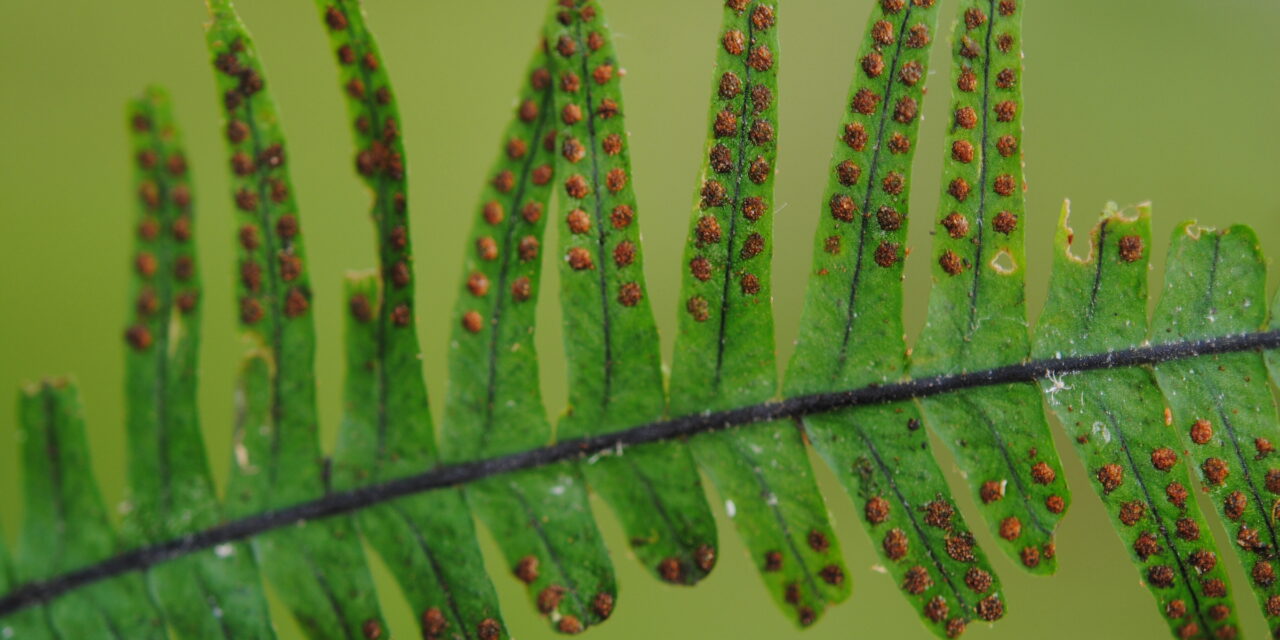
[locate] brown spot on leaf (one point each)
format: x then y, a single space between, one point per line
549 598
977 579
1215 471
1263 574
1042 473
887 254
569 625
698 308
1010 528
580 259
1234 504
917 36
629 294
893 183
730 85
372 629
936 609
296 303
855 135
991 491
832 574
959 189
895 544
951 263
576 187
876 510
621 216
865 102
773 561
708 230
818 541
1215 588
873 64
917 580
1005 222
759 170
1163 458
991 608
670 570
1177 494
138 337
1146 545
734 42
911 73
960 547
882 33
1131 512
1110 476
486 248
957 225
705 557
761 58
1055 504
938 513
1160 576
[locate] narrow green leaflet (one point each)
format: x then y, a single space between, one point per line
1215 285
318 568
1117 419
615 375
428 541
977 307
851 334
171 489
65 522
28 623
541 518
724 353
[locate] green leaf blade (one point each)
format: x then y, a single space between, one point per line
615 376
318 567
977 306
171 489
1116 418
1215 282
428 541
724 353
66 526
27 623
851 334
540 518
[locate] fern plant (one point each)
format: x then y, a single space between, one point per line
1155 409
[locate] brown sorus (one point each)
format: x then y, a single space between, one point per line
1005 222
629 294
917 580
895 544
977 579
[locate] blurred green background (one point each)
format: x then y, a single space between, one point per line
1168 100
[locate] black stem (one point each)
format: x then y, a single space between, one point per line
342 502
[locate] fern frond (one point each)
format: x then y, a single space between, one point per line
851 334
319 569
724 352
27 623
541 518
1117 420
977 305
611 342
171 489
428 541
1215 282
65 523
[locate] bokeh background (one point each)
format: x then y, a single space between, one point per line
1174 101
